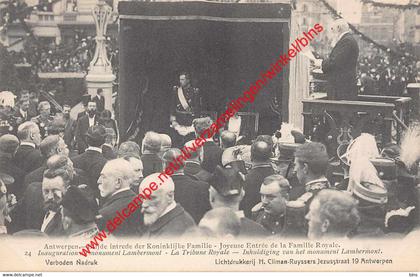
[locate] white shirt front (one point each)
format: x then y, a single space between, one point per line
47 219
91 121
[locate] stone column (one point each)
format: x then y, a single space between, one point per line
299 75
100 69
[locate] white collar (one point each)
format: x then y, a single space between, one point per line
28 143
120 190
97 149
109 145
23 112
168 209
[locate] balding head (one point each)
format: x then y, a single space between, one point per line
129 148
116 174
220 222
52 145
171 155
151 143
29 132
228 139
166 142
339 26
260 151
161 195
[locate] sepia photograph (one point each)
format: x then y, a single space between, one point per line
208 136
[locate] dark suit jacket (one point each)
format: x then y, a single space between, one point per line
28 158
193 195
31 207
132 225
82 127
108 152
55 226
172 224
340 69
151 164
212 156
253 181
92 162
100 102
8 167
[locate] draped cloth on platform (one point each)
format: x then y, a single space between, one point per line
298 77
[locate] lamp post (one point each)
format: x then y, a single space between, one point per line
100 69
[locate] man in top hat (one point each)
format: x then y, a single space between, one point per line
271 211
163 217
92 161
261 168
8 148
79 213
332 214
150 148
192 194
114 186
83 124
44 119
226 190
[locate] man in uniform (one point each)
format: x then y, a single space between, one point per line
311 162
186 105
44 119
270 212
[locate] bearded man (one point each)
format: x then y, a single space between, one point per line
163 217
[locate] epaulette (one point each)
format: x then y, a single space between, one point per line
305 197
257 207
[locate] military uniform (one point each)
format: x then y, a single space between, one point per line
273 223
184 114
295 222
44 124
8 124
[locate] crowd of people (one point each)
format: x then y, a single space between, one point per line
69 178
